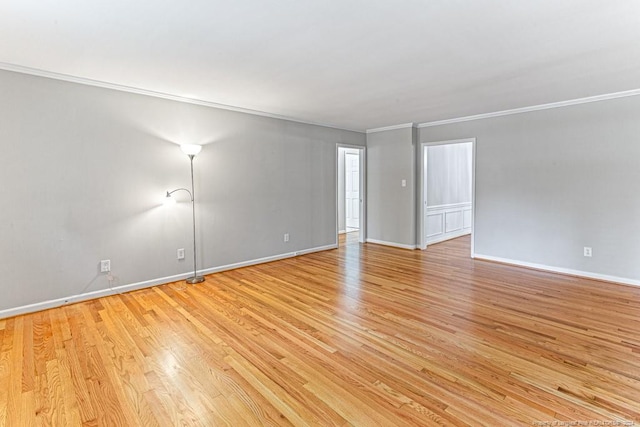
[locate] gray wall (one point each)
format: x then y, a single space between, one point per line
449 174
84 171
391 207
550 182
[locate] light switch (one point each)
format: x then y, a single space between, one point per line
404 182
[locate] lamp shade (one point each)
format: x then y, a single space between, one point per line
191 149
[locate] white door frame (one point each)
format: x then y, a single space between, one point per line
362 151
422 217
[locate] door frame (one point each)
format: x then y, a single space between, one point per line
362 152
422 198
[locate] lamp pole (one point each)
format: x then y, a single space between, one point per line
191 151
195 278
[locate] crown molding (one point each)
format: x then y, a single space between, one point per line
130 89
386 128
559 104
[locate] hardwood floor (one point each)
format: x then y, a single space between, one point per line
364 335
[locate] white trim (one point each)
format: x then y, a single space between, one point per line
559 104
351 146
130 89
449 237
362 231
394 244
394 127
310 251
450 141
31 308
473 199
421 220
449 206
560 270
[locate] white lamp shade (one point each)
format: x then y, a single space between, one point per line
191 149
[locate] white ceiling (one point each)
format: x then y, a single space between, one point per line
353 64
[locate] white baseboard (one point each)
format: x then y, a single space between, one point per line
568 271
342 232
449 237
318 249
394 244
263 260
45 305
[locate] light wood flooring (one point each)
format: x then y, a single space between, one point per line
364 335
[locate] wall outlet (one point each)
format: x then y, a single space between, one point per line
587 251
403 183
105 266
286 237
180 253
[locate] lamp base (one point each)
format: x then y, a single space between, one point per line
195 279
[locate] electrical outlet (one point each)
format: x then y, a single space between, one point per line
587 251
105 266
180 253
286 237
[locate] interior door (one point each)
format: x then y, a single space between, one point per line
352 190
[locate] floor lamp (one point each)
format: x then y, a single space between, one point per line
191 150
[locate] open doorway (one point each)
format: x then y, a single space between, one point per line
448 190
350 193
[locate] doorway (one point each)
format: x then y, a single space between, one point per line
448 190
350 192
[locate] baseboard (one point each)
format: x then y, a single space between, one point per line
264 260
342 232
449 237
560 270
45 305
317 249
394 244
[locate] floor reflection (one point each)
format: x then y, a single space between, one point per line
351 268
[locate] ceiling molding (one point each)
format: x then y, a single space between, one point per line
162 95
386 128
130 89
559 104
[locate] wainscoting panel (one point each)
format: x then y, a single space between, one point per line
446 222
435 224
466 220
453 221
